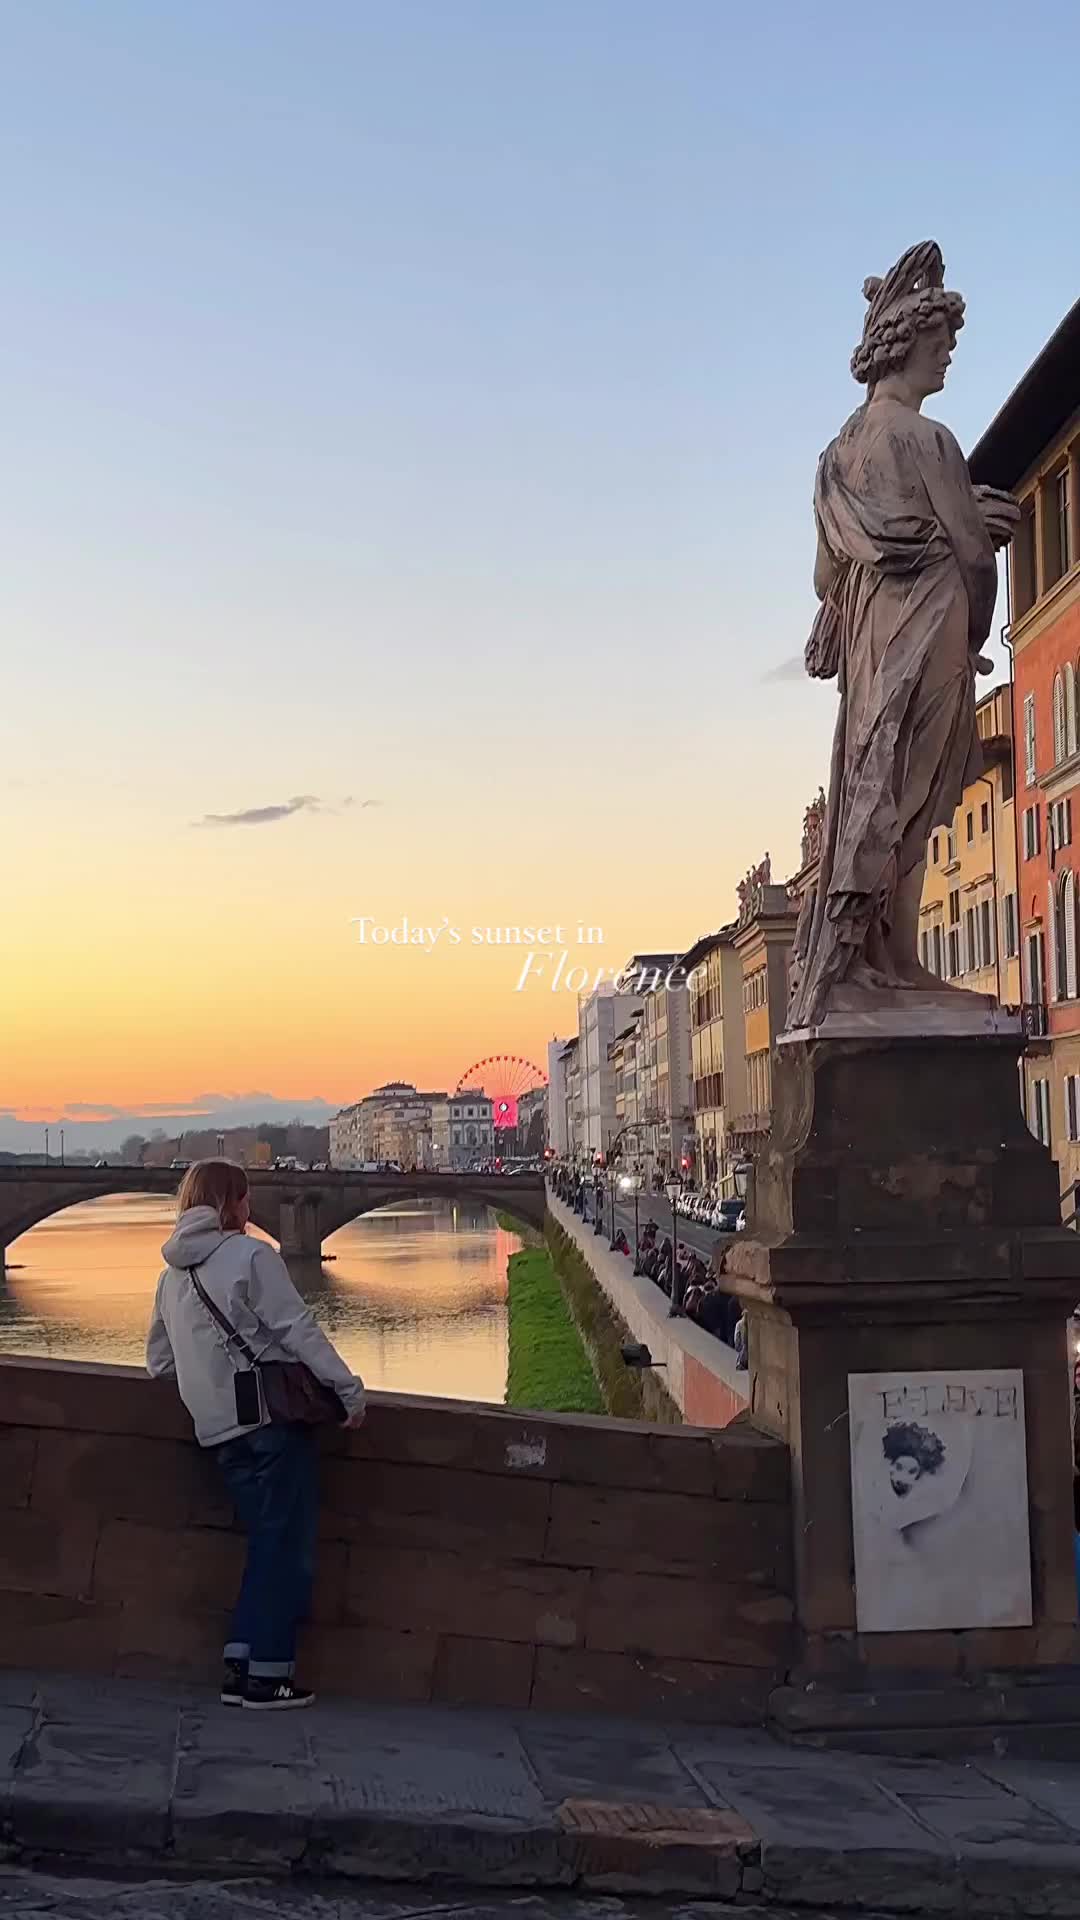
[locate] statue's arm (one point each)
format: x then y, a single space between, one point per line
952 496
825 567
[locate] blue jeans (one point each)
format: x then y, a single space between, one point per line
273 1477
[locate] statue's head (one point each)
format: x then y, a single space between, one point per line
911 317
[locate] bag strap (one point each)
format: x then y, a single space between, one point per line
226 1325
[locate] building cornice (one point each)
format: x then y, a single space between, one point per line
1056 601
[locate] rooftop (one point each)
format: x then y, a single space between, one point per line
1036 410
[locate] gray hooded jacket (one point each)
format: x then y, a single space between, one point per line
249 1283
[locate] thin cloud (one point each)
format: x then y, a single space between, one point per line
793 669
262 816
281 810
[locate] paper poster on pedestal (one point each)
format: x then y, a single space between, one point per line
939 1500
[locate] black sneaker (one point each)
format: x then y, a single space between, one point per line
273 1696
234 1684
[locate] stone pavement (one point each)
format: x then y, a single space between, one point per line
33 1896
154 1781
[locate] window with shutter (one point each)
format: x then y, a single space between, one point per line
986 932
939 952
1069 930
1070 1106
1059 718
1038 1111
1029 739
970 959
1070 708
1052 937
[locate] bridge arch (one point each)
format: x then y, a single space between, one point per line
372 1191
27 1212
298 1210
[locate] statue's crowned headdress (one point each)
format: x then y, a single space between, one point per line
911 296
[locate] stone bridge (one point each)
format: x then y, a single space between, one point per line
299 1210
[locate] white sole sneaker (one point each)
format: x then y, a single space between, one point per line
279 1703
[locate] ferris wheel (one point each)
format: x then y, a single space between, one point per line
503 1077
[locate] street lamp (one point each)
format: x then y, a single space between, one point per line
611 1197
46 1146
673 1188
628 1181
740 1174
61 1146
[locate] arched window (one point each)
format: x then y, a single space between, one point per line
1067 918
1070 707
1059 719
1052 938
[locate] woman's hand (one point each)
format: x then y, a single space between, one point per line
1000 514
354 1419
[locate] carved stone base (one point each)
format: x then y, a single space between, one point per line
911 1013
903 1219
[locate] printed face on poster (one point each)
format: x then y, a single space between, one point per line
939 1500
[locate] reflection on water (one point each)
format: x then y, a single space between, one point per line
414 1297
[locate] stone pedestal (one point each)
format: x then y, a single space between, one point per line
905 1221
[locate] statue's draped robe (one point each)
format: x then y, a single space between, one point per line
912 601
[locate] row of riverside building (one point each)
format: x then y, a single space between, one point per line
401 1123
659 1080
430 1131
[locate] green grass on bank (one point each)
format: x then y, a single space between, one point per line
526 1234
549 1370
628 1393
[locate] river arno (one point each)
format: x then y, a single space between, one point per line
414 1297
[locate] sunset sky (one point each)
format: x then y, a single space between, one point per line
411 415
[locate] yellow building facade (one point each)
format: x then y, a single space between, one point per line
969 931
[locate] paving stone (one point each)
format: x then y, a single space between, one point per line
279 1738
15 1724
249 1811
572 1764
1000 1820
30 1894
409 1777
1053 1788
93 1788
825 1836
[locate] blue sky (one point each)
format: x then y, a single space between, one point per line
396 387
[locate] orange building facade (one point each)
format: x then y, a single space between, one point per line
1032 449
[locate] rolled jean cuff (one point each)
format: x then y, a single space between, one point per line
237 1650
270 1670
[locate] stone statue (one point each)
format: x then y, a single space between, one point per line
813 827
907 578
750 892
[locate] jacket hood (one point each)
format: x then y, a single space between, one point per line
196 1235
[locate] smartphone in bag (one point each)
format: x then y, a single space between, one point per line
248 1399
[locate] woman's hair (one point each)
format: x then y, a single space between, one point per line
220 1184
918 1443
911 296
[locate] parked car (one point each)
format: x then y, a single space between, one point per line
730 1216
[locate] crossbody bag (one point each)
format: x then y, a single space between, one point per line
292 1395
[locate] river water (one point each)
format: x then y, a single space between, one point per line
413 1297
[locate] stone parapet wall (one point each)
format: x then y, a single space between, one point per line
468 1555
